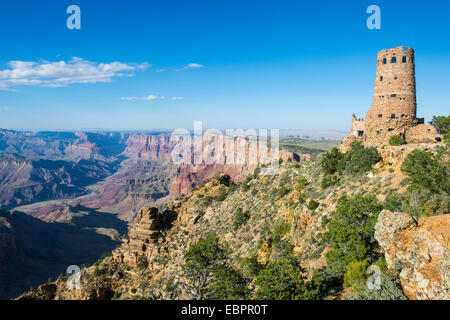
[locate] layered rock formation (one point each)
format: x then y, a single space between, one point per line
141 237
149 147
419 251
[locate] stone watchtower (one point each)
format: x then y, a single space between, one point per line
394 106
395 86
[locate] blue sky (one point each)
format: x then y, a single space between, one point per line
163 64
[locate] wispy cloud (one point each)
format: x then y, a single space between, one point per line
4 108
64 73
150 97
191 65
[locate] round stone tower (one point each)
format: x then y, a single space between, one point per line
394 106
394 109
395 86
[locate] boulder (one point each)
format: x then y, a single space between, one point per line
418 251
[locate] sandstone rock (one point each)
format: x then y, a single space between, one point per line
418 252
140 239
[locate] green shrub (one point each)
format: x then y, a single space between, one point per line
240 218
360 159
447 137
222 196
396 140
245 185
351 232
302 198
331 161
328 181
282 192
356 275
209 274
427 171
251 266
283 280
382 264
228 284
326 283
390 289
442 124
302 182
280 229
312 205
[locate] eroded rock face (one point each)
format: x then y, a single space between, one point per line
418 251
141 237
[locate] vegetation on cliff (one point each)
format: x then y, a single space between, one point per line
281 236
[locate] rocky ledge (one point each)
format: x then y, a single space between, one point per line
418 251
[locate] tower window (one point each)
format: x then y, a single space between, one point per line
393 116
393 95
394 60
381 78
395 78
380 115
404 59
390 130
360 133
384 61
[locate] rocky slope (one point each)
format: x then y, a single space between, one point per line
32 251
149 263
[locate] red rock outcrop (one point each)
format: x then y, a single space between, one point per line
149 147
418 251
141 237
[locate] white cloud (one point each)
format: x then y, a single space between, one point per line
62 73
149 98
191 65
4 108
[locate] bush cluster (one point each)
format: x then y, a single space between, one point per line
240 218
358 160
396 140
